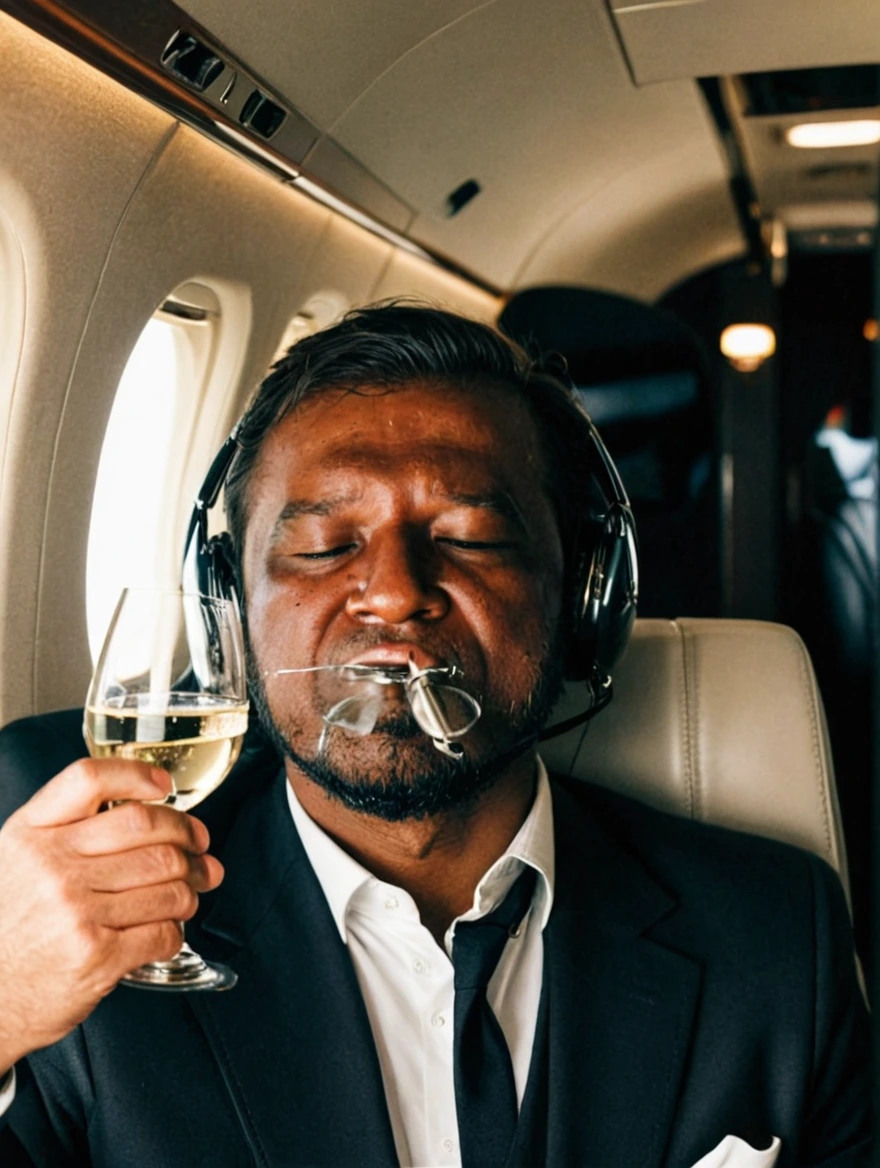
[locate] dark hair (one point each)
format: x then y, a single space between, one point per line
396 343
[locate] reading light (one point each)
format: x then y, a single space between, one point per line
821 135
747 346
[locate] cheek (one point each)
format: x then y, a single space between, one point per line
284 625
515 626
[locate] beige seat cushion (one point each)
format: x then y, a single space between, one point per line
719 720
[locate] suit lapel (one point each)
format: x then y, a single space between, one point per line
292 1038
297 1052
620 1005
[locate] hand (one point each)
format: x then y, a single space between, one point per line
85 898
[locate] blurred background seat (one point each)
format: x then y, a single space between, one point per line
640 373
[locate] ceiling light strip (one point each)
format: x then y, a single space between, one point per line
832 135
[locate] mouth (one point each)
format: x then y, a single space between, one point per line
397 655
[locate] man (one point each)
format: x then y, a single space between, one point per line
406 494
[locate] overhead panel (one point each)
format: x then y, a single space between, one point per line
825 197
506 137
322 55
666 39
536 105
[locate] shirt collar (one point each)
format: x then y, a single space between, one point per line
533 845
341 876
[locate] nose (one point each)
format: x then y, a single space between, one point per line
396 582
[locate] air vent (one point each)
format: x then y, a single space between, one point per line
192 61
262 115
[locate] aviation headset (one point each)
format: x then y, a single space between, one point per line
601 588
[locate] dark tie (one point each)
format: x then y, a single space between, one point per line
485 1090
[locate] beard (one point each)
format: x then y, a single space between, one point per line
396 773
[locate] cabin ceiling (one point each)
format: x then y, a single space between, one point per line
533 101
580 120
597 159
821 194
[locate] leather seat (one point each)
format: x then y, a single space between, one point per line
718 720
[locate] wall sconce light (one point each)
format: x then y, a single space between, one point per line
747 346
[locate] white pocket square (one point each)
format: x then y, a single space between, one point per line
733 1152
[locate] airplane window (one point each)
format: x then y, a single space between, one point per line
134 509
319 311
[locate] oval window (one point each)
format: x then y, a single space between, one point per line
151 425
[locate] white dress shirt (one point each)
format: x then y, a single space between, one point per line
7 1091
407 979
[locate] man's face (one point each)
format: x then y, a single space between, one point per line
389 525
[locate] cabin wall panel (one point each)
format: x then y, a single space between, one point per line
202 215
348 261
113 213
407 275
73 147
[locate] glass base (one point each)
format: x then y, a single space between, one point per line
186 971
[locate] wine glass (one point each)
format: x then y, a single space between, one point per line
170 689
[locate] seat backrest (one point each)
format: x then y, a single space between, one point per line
718 720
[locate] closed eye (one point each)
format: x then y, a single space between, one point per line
325 555
478 545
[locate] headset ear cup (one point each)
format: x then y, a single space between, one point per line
220 575
605 594
578 628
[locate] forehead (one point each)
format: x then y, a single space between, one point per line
481 432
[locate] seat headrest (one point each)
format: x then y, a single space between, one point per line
718 720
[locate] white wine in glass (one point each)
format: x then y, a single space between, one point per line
195 737
170 690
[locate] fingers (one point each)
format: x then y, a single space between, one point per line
137 825
143 943
145 906
81 789
149 866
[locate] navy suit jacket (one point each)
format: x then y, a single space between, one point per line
697 983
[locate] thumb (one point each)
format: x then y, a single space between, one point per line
81 789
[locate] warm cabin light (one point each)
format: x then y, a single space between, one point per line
746 346
822 135
871 329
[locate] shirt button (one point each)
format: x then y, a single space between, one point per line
391 903
420 966
438 1020
448 1145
